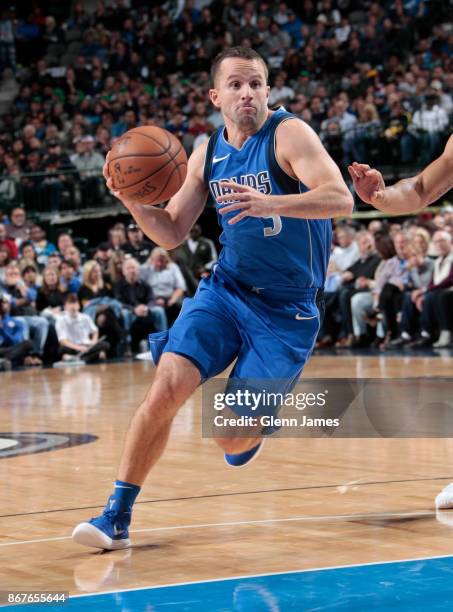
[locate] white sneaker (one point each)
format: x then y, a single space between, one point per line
143 346
445 498
144 356
444 339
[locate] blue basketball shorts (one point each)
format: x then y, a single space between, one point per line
271 338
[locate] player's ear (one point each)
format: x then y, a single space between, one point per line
214 97
268 89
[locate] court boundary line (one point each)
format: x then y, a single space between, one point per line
265 575
232 494
302 519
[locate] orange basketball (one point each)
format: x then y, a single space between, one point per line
148 165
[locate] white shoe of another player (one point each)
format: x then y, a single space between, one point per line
445 498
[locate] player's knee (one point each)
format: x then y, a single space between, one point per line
163 402
166 396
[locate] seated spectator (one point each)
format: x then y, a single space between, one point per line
137 245
102 256
366 134
96 297
393 282
332 139
54 261
32 281
398 144
433 303
363 302
430 121
13 345
19 228
51 295
280 93
89 164
166 281
35 326
117 237
69 280
115 267
140 313
93 285
346 252
8 243
61 174
64 241
342 257
195 257
354 280
42 246
73 254
78 335
28 255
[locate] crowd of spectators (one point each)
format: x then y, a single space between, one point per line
374 79
59 304
391 285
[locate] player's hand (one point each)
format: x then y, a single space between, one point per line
251 202
368 183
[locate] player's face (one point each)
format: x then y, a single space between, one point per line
241 92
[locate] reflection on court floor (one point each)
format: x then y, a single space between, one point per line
418 584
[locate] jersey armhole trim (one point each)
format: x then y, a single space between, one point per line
209 153
285 180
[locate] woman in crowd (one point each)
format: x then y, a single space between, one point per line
51 294
97 300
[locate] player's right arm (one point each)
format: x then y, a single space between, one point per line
410 194
169 226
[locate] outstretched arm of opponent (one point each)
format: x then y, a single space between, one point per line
169 226
409 194
301 155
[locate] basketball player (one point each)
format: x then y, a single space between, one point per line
404 197
276 190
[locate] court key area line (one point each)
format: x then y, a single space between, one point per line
234 493
306 519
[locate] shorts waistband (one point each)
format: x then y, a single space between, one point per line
279 293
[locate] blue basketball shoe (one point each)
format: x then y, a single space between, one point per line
110 531
241 459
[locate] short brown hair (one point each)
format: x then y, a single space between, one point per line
237 52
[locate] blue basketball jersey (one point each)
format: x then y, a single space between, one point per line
269 252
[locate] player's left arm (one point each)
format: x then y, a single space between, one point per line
301 154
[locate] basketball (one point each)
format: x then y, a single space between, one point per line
148 165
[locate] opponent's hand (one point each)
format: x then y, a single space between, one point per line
109 182
368 183
251 202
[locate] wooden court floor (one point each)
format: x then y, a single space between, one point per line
305 503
